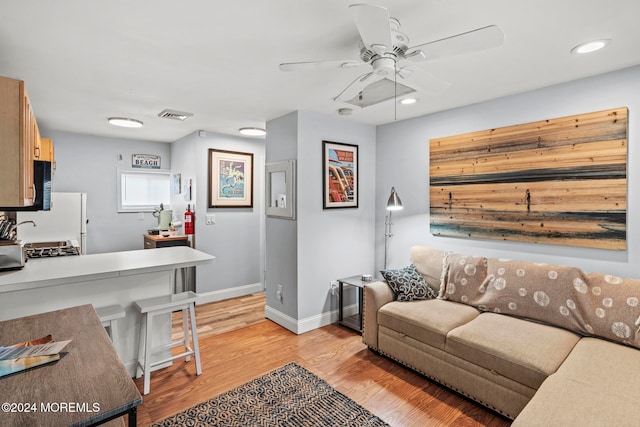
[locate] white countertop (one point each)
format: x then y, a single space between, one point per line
43 272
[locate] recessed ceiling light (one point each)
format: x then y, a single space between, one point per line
591 46
253 131
125 122
408 101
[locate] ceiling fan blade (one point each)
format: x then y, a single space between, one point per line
319 65
423 81
358 86
373 25
474 40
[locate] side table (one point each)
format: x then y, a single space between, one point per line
353 321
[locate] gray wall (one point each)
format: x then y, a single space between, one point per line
321 245
403 162
281 267
88 164
333 243
236 240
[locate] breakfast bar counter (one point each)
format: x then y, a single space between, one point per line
44 272
99 279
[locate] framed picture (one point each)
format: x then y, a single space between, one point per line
339 175
230 179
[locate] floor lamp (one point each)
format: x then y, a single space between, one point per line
393 204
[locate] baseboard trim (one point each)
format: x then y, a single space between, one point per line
308 324
222 294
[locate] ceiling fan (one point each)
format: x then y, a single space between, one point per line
384 48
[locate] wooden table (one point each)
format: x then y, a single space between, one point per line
152 241
87 386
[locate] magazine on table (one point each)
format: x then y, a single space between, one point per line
29 354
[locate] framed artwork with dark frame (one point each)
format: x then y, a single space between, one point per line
339 175
230 179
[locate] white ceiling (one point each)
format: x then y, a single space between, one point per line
86 60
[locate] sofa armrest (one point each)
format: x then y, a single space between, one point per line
376 294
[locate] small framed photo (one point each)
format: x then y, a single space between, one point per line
230 179
339 175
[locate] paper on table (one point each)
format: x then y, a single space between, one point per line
7 353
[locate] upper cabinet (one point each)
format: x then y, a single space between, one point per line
46 150
20 144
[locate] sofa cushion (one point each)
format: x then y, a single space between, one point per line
604 364
591 304
524 351
429 263
597 385
427 321
407 284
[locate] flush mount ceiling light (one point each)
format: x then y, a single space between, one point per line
591 46
125 122
408 101
252 131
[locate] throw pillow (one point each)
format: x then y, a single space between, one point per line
407 284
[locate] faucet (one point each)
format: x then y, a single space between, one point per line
25 222
12 231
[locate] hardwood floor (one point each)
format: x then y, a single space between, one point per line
232 355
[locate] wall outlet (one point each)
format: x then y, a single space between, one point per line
211 219
279 294
333 285
140 216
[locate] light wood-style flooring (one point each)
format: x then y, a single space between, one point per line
237 344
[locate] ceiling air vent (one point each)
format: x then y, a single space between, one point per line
380 91
175 115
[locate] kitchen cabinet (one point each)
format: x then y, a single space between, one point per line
152 241
45 151
19 144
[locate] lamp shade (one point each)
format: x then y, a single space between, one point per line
394 203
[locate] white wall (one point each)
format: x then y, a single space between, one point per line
403 162
88 164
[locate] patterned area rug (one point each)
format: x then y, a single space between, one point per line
287 396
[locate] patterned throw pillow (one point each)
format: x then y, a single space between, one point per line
407 284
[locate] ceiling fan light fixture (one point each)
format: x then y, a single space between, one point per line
252 131
590 46
408 101
125 122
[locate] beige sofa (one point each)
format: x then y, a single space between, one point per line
541 344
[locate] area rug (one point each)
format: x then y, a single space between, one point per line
287 396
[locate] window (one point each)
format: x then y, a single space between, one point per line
143 190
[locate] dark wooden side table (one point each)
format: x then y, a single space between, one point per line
353 321
88 386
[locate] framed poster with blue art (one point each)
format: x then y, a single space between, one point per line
230 179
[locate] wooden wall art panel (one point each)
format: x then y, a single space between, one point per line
561 181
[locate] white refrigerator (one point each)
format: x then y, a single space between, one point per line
67 220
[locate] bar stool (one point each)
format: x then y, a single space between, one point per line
150 307
108 316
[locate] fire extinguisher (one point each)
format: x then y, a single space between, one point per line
189 221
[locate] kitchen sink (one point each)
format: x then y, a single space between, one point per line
12 255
